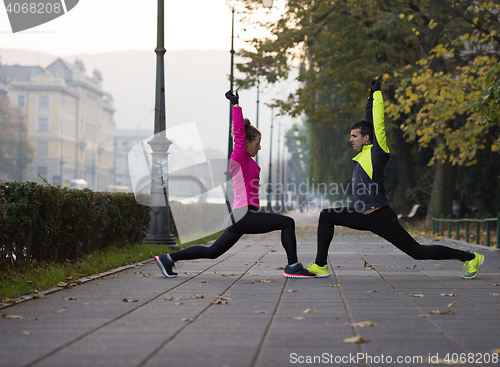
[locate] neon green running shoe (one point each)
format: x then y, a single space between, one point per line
471 267
320 271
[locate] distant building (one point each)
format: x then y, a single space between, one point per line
125 140
70 122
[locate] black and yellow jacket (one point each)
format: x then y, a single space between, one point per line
369 165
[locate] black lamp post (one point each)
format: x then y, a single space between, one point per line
269 207
159 224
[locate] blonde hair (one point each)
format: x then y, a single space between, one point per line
251 132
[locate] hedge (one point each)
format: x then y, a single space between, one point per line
48 223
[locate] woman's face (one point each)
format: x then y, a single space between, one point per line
253 146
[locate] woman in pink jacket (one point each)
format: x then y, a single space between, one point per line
245 215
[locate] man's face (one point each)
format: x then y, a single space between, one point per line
357 140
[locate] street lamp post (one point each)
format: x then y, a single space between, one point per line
269 207
159 224
278 176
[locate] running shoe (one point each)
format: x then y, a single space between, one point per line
165 265
320 271
471 267
297 271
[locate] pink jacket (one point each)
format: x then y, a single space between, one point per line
244 169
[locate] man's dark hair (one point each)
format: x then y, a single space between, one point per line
365 126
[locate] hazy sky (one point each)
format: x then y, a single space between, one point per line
95 26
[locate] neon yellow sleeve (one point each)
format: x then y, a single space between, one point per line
378 121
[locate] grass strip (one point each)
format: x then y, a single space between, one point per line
15 282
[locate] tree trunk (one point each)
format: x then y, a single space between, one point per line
405 169
442 191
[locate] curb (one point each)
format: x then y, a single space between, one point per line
80 281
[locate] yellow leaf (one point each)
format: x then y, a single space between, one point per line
168 298
355 340
59 311
38 295
451 304
69 298
260 311
26 333
417 295
299 318
187 319
410 17
7 316
401 16
291 290
442 312
267 281
448 294
333 285
198 296
62 284
362 324
372 291
129 300
308 310
438 238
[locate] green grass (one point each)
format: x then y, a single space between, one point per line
15 282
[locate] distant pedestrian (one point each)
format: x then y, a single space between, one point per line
372 211
246 206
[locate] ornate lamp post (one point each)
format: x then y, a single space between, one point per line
159 225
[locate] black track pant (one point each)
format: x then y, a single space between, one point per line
383 222
251 223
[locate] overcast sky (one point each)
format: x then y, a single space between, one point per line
95 26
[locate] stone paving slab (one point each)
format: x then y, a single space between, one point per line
268 320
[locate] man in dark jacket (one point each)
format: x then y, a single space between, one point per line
371 210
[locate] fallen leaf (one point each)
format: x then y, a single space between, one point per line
260 311
280 268
249 282
9 300
7 316
417 295
26 333
494 284
62 284
493 294
178 298
186 319
198 296
38 295
168 298
59 311
291 290
412 267
129 300
451 304
448 294
443 312
299 318
267 281
438 238
34 319
308 310
258 261
125 272
69 298
333 285
355 339
224 298
423 315
361 324
220 302
372 291
177 303
205 281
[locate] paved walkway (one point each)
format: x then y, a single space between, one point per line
238 310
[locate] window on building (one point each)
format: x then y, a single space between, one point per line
43 102
42 171
21 101
43 123
43 149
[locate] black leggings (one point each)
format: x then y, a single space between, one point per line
383 222
251 223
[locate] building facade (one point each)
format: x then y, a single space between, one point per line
70 122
